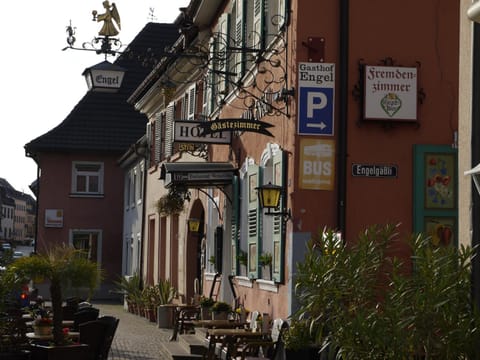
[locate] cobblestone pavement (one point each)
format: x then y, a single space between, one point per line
136 338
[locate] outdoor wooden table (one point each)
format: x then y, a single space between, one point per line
27 317
65 323
229 339
222 324
32 336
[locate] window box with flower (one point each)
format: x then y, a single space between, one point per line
265 261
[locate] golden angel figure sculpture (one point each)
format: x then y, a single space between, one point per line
109 18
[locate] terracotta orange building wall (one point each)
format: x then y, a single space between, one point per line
413 31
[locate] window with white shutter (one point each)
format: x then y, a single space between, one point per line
191 102
169 122
238 66
221 57
258 31
275 19
157 145
208 87
253 221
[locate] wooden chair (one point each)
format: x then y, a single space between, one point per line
111 323
253 320
99 334
93 334
84 315
68 312
246 347
183 317
274 349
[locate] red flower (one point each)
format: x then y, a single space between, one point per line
43 321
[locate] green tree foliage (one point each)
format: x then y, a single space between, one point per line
62 266
361 302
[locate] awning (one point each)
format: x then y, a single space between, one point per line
197 174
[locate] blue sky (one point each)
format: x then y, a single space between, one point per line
40 83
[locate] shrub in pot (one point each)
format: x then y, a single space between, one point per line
360 301
130 287
220 310
166 292
206 304
299 341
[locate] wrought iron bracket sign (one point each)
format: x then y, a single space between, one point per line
188 131
229 125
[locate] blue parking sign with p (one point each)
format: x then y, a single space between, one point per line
315 111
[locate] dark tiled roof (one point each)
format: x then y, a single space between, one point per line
105 122
9 191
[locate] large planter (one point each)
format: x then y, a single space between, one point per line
205 313
42 330
165 317
18 355
220 315
70 352
307 353
151 315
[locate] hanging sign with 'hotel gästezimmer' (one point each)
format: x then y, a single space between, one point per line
390 93
229 125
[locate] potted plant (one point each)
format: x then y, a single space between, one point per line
265 260
220 310
166 293
130 287
173 202
42 325
242 258
299 341
149 295
358 301
206 304
61 266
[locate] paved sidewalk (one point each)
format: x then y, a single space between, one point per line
136 338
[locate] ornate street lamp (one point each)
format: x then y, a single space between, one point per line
104 76
193 225
269 197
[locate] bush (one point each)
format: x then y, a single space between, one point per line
367 304
206 302
221 306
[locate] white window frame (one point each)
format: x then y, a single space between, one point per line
87 174
141 174
98 232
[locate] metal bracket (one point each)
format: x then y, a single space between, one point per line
316 49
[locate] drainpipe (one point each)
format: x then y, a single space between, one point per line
343 116
142 154
36 210
37 200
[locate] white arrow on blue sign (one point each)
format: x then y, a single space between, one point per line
316 99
